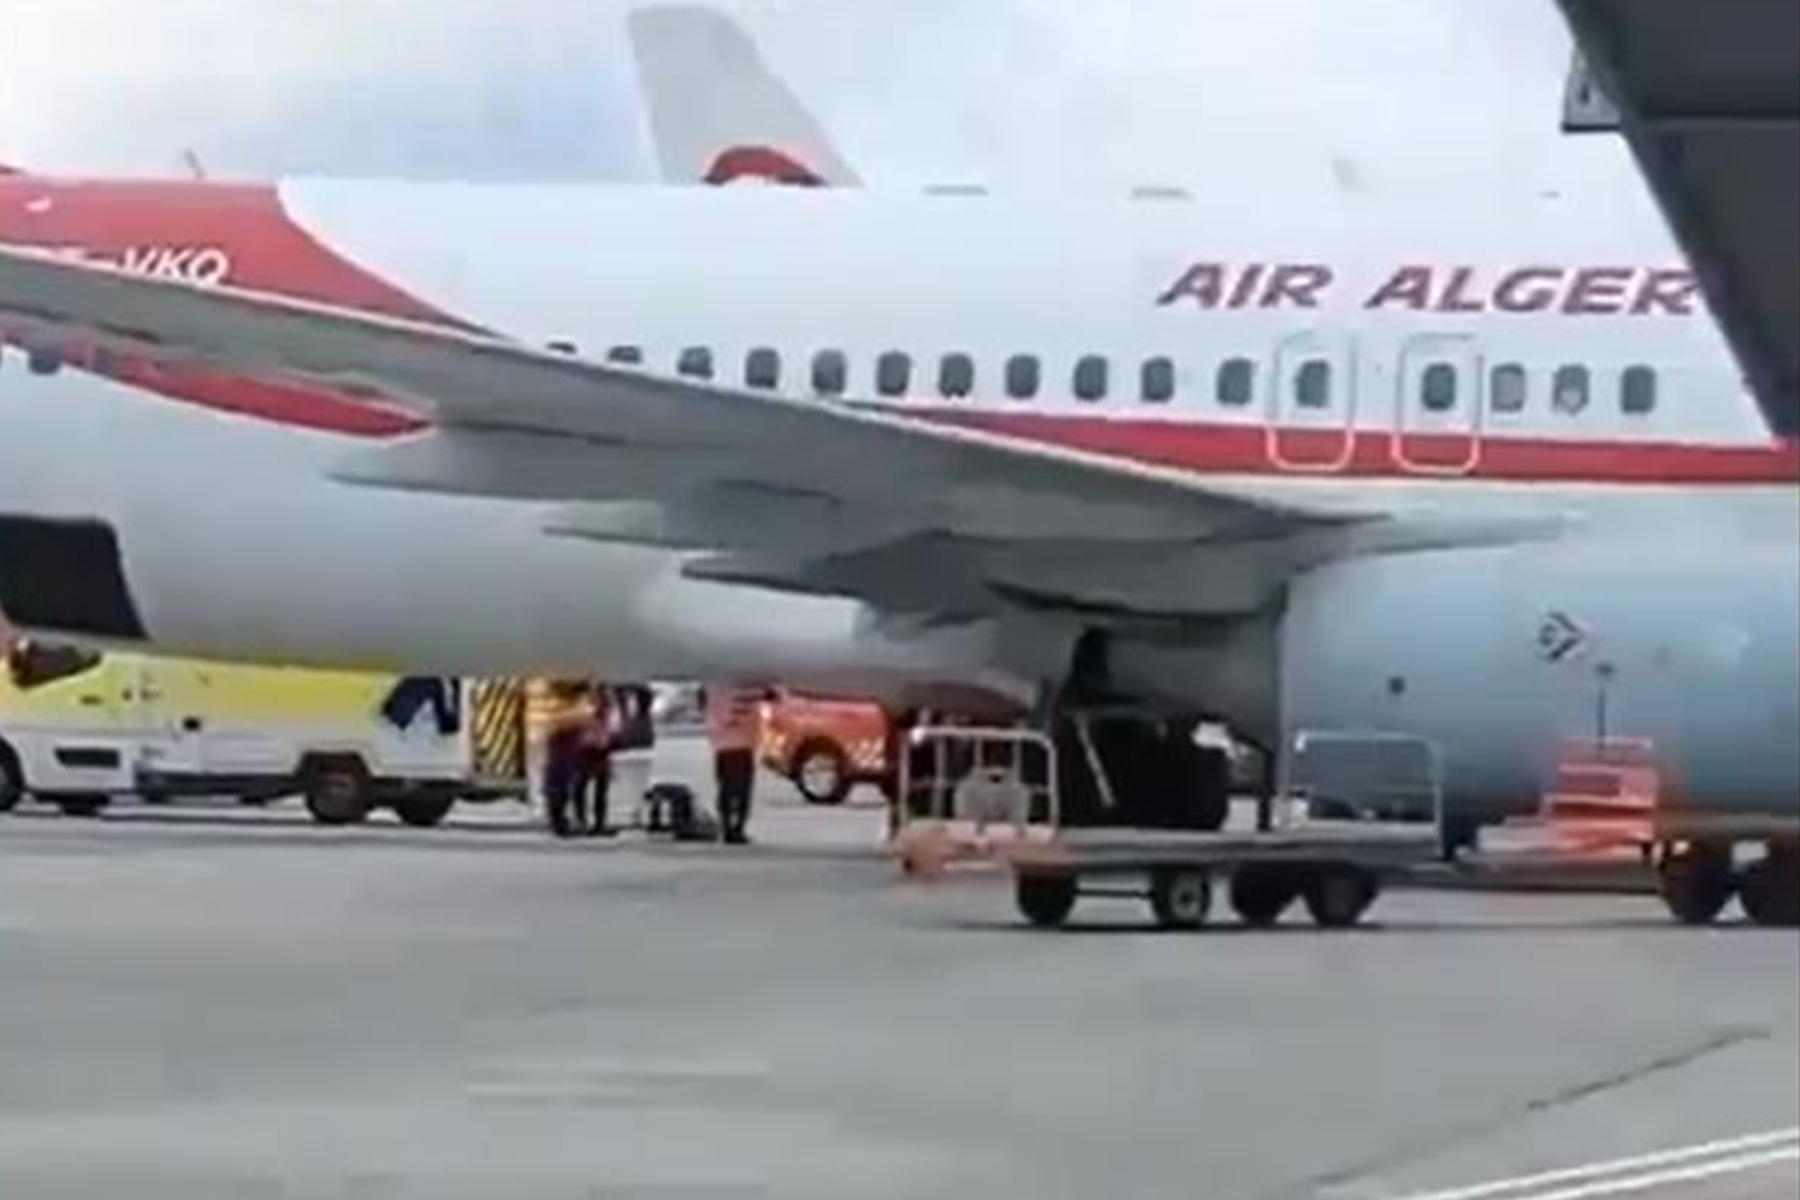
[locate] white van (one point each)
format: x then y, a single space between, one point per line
78 728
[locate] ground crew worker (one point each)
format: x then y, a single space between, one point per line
576 773
733 723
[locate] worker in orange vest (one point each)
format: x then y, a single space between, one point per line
733 724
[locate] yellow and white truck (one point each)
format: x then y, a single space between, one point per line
80 727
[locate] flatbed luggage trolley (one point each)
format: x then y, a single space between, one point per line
990 795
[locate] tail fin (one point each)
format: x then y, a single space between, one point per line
717 112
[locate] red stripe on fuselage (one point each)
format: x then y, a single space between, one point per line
152 224
1238 449
269 252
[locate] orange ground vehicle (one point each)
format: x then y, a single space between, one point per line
1605 797
1610 796
826 746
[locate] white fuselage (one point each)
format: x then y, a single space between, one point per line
1354 354
1377 292
237 546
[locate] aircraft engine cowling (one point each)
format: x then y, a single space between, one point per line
1499 656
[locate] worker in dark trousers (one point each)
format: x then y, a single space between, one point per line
577 775
733 722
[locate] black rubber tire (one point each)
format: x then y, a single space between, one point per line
1046 900
1697 883
337 792
1769 890
424 812
1261 892
156 799
83 804
12 781
1337 897
827 753
1180 897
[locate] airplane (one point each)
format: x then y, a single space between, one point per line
1486 475
717 113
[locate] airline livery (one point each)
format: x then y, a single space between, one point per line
1287 462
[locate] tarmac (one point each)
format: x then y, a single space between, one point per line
223 1003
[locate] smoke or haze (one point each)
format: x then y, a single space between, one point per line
1382 93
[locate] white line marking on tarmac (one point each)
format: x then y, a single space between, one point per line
1638 1172
1703 1170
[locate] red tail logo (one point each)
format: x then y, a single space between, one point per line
762 163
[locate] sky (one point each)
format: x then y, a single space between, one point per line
1366 93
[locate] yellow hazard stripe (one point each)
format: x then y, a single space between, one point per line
499 728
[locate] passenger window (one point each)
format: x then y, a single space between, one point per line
1637 391
893 373
625 356
830 372
1090 378
1312 384
1156 381
1437 387
1023 376
1236 384
1508 388
762 369
956 376
1569 390
696 362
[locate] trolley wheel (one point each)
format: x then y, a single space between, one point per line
1337 897
1770 892
1696 883
1261 892
1180 897
1045 900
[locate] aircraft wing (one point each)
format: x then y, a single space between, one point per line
813 495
